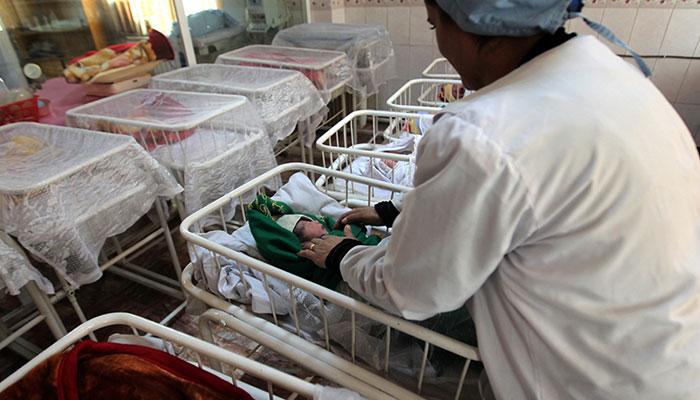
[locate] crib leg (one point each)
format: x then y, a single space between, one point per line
46 309
169 238
207 335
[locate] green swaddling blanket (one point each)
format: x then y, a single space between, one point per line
280 247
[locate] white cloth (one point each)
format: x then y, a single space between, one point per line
64 198
383 170
16 271
331 393
564 201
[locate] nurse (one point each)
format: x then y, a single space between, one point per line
560 202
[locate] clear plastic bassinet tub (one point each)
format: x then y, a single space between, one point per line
282 98
211 141
330 71
368 47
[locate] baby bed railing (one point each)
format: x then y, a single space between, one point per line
376 144
440 68
236 363
426 95
192 230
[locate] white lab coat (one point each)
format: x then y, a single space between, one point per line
563 201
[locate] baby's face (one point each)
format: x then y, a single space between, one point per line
311 229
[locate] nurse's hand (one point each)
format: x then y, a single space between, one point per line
359 216
317 249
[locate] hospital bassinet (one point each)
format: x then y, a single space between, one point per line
440 68
374 144
330 71
172 341
426 95
63 192
293 308
368 47
282 98
210 141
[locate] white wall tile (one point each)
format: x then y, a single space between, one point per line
388 89
402 55
420 33
649 29
620 21
657 3
683 32
321 15
595 4
622 3
338 15
690 88
376 16
320 4
668 76
355 15
579 26
687 4
420 57
397 25
436 53
691 115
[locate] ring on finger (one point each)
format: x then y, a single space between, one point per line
312 246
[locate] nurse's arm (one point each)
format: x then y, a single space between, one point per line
469 209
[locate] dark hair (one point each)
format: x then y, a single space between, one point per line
299 230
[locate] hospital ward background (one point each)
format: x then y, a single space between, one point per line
148 150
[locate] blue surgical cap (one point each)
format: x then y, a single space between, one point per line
524 18
507 17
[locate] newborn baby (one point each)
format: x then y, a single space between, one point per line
280 233
302 226
305 228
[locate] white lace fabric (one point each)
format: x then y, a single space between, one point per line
328 70
63 191
212 142
16 271
281 97
368 47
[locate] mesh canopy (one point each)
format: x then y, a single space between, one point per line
215 134
64 191
281 97
368 47
328 70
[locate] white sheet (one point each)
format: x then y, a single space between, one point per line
398 172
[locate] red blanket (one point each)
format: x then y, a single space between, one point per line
107 371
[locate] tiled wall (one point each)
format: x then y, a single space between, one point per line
651 27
